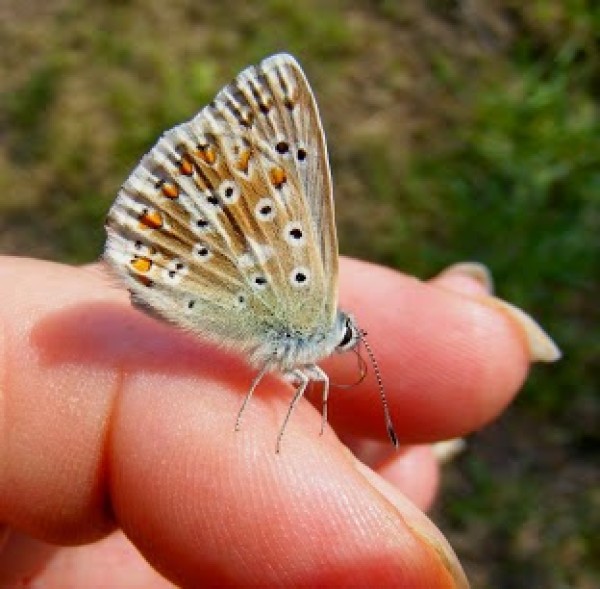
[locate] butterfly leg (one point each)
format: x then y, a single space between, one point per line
316 373
253 386
303 379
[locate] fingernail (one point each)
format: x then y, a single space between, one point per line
540 345
471 270
446 450
425 532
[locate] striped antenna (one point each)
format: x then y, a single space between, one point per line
386 412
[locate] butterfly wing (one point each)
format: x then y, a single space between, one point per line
226 226
295 128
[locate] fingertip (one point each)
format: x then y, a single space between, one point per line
475 279
450 363
467 278
415 472
539 345
445 569
223 487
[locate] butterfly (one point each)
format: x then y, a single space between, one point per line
226 229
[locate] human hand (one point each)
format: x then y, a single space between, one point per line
111 421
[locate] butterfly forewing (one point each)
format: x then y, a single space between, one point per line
230 215
279 90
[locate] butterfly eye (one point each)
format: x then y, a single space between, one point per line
349 338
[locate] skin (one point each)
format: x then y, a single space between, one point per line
117 431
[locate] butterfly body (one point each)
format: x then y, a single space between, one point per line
288 347
226 227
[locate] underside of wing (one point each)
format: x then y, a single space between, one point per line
285 115
226 225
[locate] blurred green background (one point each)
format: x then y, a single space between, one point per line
458 130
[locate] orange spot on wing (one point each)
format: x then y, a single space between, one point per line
151 220
170 190
141 264
186 167
277 176
207 154
244 160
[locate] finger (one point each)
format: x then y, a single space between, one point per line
21 558
100 347
104 414
228 500
450 362
111 562
413 470
467 278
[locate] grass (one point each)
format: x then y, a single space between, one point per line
524 180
